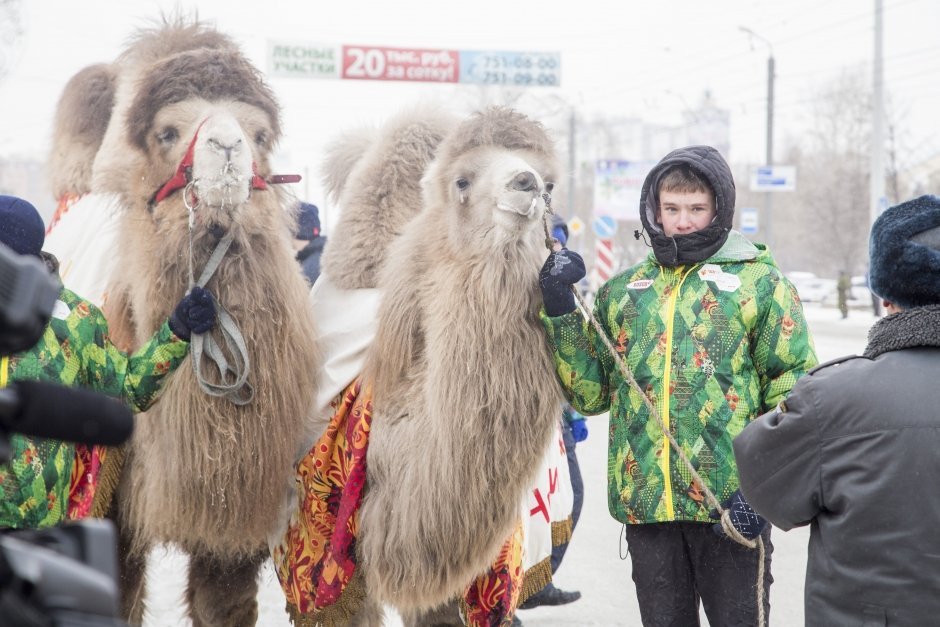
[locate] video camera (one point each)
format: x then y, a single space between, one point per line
63 576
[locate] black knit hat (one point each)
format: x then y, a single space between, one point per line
904 252
21 227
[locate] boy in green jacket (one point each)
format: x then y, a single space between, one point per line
715 336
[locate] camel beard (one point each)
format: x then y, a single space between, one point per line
207 474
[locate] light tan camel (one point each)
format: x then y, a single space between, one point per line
465 397
203 472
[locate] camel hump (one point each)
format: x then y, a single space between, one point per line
81 119
341 156
374 176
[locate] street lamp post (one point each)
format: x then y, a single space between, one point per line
768 201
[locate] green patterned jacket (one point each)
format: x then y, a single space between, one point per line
75 350
726 338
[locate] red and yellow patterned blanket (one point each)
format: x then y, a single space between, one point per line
316 559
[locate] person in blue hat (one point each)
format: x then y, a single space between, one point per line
309 241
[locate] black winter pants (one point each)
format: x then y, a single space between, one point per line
677 563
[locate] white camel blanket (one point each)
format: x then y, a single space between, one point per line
548 504
84 240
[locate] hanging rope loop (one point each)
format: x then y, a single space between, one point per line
232 375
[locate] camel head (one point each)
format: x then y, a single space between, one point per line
202 125
494 175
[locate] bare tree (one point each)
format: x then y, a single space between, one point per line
828 220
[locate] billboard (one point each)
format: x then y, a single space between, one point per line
617 186
383 63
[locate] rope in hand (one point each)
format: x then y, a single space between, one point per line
726 523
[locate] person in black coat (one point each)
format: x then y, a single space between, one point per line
308 240
852 451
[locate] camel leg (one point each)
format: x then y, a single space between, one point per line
133 583
222 592
132 562
370 614
447 615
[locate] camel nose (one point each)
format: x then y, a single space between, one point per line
524 182
226 148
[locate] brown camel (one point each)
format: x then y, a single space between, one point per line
186 156
464 386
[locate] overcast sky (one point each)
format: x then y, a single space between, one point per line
625 57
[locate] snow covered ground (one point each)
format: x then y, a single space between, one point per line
596 561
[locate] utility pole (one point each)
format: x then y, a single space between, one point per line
877 179
572 161
768 201
768 196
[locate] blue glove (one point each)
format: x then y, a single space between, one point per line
561 270
195 313
579 430
748 522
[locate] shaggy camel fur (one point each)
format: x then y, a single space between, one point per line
465 398
202 472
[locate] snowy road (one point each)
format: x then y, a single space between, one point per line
592 564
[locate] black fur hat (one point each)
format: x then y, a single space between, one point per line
904 252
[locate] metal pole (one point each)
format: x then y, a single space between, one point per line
768 208
571 164
877 183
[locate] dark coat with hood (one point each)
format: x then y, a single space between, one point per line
853 452
698 246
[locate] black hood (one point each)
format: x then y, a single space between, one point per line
698 246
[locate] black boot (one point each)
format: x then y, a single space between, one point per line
550 595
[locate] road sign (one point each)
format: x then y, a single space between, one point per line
603 260
749 220
773 178
617 186
604 227
575 225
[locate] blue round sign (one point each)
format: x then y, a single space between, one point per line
604 227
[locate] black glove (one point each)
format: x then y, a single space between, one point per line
562 269
748 522
195 313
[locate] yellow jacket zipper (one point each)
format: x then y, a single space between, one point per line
667 375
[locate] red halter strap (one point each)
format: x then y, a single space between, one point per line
184 172
184 175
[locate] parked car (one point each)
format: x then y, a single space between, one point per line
813 289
